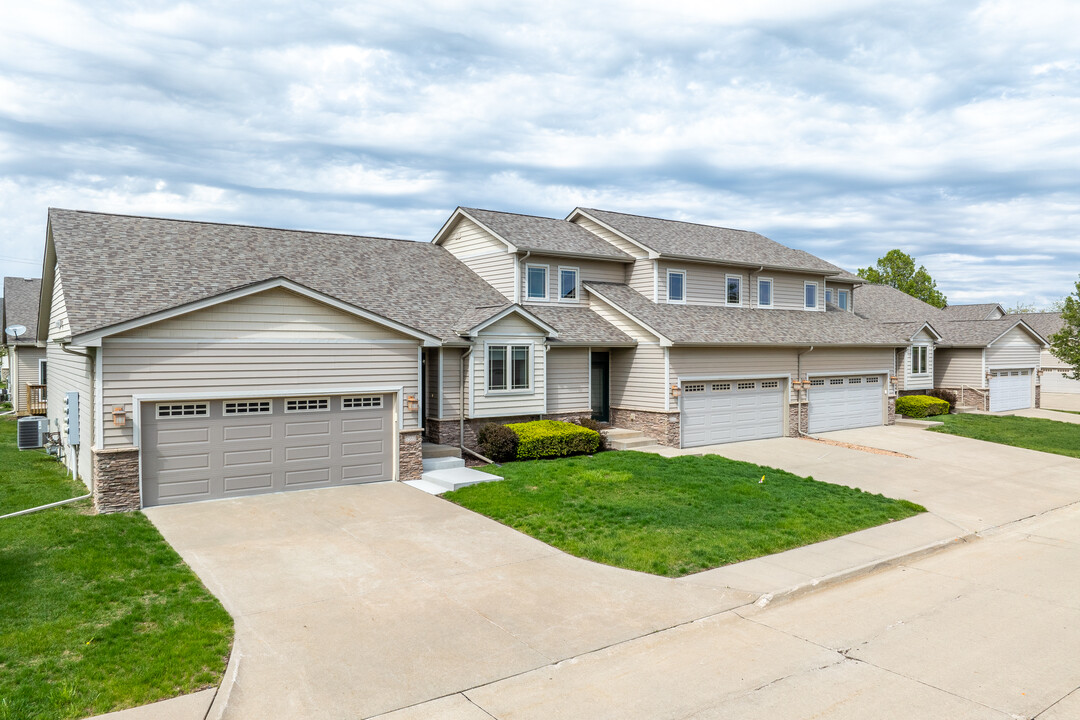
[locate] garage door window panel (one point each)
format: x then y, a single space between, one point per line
181 410
299 405
363 401
246 407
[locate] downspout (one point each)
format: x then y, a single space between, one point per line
798 376
750 290
522 278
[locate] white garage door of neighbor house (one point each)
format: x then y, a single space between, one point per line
841 403
1054 381
731 410
205 449
1010 390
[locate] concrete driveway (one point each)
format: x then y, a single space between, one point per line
1061 401
354 601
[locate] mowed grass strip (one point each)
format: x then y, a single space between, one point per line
1051 436
675 516
97 612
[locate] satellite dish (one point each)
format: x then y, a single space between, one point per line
15 330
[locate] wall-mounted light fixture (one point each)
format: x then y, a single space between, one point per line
119 416
675 391
411 403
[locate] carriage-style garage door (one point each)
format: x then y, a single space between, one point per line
729 410
204 449
1010 390
851 401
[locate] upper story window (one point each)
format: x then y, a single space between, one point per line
536 282
810 290
842 299
828 296
676 286
568 283
918 359
764 292
508 367
733 296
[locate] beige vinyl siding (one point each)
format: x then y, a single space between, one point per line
847 360
731 362
918 382
788 290
616 318
237 369
707 285
836 287
898 367
954 367
451 382
639 276
484 254
502 403
71 373
1047 359
598 270
568 379
995 314
1015 349
58 315
614 238
637 378
273 314
512 324
24 368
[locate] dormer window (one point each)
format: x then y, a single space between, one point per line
536 282
733 296
568 284
676 286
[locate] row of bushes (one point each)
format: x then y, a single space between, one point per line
540 439
920 406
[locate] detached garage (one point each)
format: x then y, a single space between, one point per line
207 449
845 402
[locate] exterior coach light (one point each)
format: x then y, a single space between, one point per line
411 403
675 391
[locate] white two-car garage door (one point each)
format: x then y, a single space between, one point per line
204 449
851 401
730 410
1054 381
1010 390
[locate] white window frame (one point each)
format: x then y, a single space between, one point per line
250 407
682 274
828 295
314 398
772 292
198 409
43 377
577 284
846 295
508 348
547 282
727 279
922 352
361 402
817 296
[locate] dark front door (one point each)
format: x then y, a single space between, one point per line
598 386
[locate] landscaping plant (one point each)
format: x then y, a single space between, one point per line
920 406
498 442
553 438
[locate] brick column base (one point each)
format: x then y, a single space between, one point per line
798 418
660 426
410 455
115 479
892 412
1038 396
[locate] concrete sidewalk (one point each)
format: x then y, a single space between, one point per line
1061 401
1045 414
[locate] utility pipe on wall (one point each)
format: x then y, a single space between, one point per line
798 376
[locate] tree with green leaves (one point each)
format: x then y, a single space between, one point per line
1065 344
897 269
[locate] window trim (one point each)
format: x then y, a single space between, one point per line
728 278
359 400
530 368
43 377
307 398
547 282
772 292
251 407
846 295
577 283
200 408
681 273
922 352
817 295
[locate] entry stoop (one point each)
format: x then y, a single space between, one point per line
444 470
619 439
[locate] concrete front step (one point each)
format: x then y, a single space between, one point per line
620 433
431 450
442 463
960 409
631 443
459 477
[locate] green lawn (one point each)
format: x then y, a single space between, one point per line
1050 436
97 612
672 516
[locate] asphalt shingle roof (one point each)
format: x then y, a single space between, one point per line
117 268
974 311
21 298
705 324
546 235
706 242
1046 324
578 324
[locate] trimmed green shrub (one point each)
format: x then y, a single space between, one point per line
553 438
594 425
497 442
920 406
948 396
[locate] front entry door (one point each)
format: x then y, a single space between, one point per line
598 386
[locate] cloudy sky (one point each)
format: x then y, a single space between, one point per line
843 127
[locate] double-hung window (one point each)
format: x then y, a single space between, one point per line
764 292
508 367
810 293
918 359
676 286
842 299
568 284
536 282
733 295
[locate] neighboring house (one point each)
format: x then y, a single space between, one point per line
26 354
1053 368
989 359
195 360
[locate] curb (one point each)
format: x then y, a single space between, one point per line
794 591
221 698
